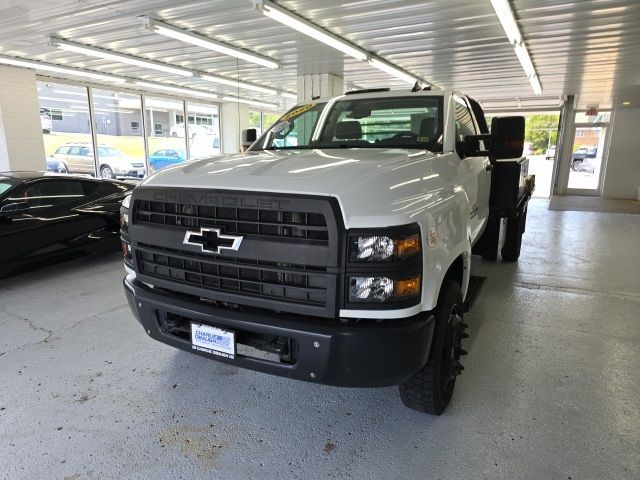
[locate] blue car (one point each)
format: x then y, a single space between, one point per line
165 158
54 165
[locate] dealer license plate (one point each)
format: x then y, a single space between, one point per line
213 340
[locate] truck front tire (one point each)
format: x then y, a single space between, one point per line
430 389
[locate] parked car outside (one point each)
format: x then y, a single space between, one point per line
178 130
78 158
550 154
581 154
54 165
584 152
165 158
45 121
48 217
583 166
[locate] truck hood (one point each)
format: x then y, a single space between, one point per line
381 185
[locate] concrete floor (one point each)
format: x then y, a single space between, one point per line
550 389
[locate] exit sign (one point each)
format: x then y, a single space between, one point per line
592 111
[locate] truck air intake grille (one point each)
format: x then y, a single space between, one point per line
242 221
288 256
259 279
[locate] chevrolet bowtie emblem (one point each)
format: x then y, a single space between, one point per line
211 240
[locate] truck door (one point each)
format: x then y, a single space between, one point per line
473 172
484 181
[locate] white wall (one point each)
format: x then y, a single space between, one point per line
622 177
319 85
234 117
21 143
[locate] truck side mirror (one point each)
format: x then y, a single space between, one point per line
249 136
507 137
506 140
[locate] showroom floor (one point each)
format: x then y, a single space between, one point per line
550 388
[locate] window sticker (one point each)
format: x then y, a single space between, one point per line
298 111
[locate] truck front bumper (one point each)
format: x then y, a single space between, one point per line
367 354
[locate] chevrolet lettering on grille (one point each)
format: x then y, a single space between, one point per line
211 240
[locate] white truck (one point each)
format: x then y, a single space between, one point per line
337 248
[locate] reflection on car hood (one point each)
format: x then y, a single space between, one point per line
365 181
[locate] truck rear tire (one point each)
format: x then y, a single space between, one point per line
513 237
430 389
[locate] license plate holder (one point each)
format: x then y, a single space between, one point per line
213 340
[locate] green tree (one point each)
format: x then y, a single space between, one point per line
254 119
542 131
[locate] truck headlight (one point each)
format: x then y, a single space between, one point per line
383 289
124 212
383 248
124 230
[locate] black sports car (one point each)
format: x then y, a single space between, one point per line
45 217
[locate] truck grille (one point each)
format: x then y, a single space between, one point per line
243 221
289 258
293 283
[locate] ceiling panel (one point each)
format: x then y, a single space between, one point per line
590 48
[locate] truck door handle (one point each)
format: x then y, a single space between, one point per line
488 168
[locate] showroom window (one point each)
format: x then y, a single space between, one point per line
261 121
71 129
128 147
167 134
203 130
120 147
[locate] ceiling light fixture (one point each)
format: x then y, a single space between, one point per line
512 30
292 96
391 70
626 103
291 20
118 57
169 88
238 84
45 67
208 43
251 102
308 28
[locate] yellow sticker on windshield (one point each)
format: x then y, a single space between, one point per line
297 111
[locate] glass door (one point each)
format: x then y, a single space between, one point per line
588 154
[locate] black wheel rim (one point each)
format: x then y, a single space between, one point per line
450 366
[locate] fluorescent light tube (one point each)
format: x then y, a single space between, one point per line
62 70
303 26
183 91
525 59
250 102
535 84
289 95
511 29
390 69
208 43
508 21
238 84
118 57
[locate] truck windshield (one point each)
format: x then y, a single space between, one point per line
396 122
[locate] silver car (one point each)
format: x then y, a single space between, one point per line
79 158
